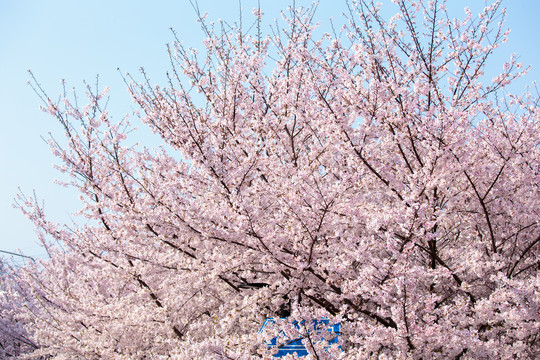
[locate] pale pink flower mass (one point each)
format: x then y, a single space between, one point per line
374 180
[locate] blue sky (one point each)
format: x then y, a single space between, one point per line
75 40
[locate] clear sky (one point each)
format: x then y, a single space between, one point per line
76 40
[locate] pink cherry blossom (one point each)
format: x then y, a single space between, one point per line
376 180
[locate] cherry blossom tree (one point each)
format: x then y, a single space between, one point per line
14 338
373 177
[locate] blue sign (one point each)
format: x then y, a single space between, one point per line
296 345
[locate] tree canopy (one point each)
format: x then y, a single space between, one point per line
373 177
